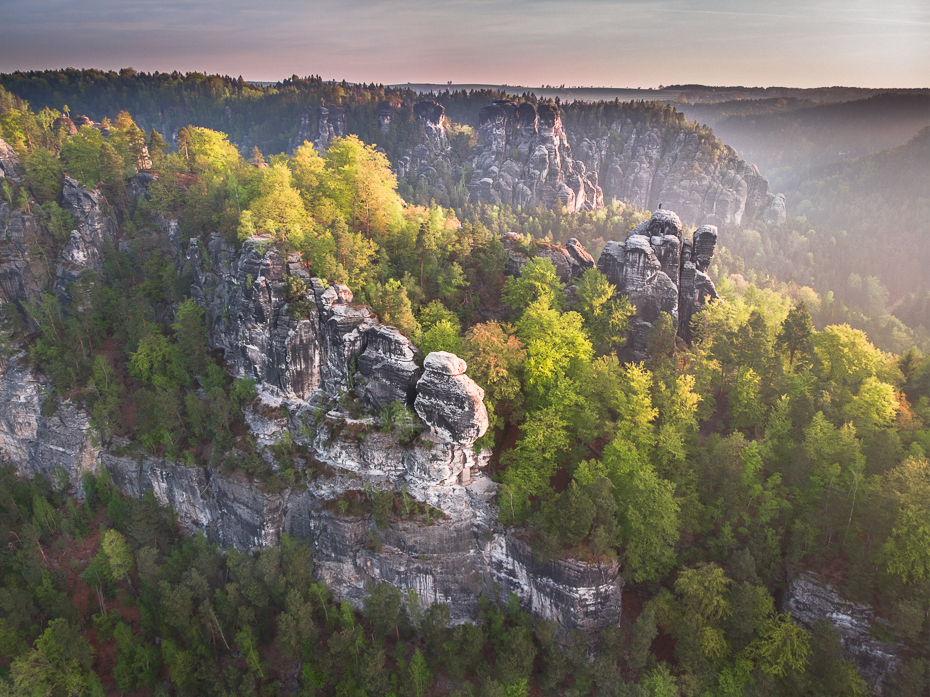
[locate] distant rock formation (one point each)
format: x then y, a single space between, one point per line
525 156
645 166
96 229
524 159
661 272
331 123
424 160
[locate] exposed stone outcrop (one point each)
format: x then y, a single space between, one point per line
22 274
570 261
330 123
524 159
661 272
386 111
388 366
809 599
450 402
96 231
428 158
640 164
8 160
301 347
460 555
431 115
53 441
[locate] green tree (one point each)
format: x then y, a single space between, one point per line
782 647
606 315
556 348
538 283
796 332
393 307
81 155
118 554
191 335
58 666
43 174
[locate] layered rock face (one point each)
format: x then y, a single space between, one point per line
426 159
453 560
302 363
809 599
524 159
450 401
8 160
640 165
431 115
331 123
661 272
22 273
570 261
96 231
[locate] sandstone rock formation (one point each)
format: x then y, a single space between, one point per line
426 159
809 599
462 554
331 123
8 160
96 230
661 272
388 365
641 165
524 159
570 262
22 274
449 401
302 350
431 115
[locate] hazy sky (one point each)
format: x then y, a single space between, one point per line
618 43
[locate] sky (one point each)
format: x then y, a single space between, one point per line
611 43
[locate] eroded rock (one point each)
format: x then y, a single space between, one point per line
8 160
810 599
450 402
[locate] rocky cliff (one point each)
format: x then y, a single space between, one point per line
645 166
661 272
8 160
655 267
311 365
524 159
810 599
24 268
330 123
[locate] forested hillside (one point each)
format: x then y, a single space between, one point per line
787 138
716 476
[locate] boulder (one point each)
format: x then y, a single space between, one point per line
580 254
388 366
450 402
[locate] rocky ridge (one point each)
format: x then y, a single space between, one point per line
642 165
655 267
526 157
305 365
330 123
